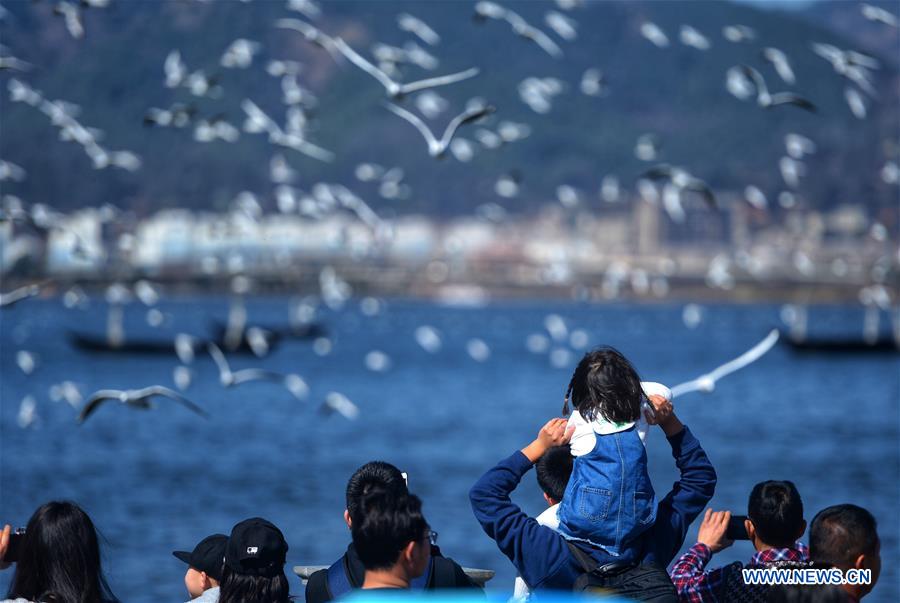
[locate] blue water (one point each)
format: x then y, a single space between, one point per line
158 481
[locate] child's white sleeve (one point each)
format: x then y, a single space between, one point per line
583 439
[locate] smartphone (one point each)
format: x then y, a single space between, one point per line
15 543
736 529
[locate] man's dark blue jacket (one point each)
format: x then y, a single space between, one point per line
542 556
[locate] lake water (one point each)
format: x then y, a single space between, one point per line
161 480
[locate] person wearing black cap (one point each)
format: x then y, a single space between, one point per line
204 568
254 564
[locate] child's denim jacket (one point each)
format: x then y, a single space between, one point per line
609 500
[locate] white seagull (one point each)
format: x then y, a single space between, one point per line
228 378
767 100
707 383
437 148
394 89
136 398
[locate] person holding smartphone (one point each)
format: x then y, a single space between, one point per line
774 525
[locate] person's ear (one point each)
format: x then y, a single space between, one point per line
347 518
409 552
751 530
861 562
204 580
550 501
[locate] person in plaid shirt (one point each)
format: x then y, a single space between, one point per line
774 525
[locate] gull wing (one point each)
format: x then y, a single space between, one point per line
165 392
442 80
309 32
463 119
414 120
789 98
220 360
662 171
699 186
358 60
96 399
705 382
17 295
758 80
253 374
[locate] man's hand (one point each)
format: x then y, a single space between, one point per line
553 433
4 544
664 415
712 530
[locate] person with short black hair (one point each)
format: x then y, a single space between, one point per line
348 572
774 526
392 538
552 471
59 558
846 537
254 564
204 571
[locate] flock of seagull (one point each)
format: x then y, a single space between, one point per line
742 81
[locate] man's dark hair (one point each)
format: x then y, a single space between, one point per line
386 523
376 474
840 534
806 593
605 385
553 470
776 511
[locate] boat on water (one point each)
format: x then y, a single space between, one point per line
843 345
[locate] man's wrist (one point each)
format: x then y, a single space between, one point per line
534 451
672 426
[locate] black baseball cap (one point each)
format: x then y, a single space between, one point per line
256 548
207 556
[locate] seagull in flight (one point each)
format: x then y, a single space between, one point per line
707 383
879 15
17 295
228 378
336 402
136 398
491 10
394 89
438 148
418 27
682 180
766 100
780 61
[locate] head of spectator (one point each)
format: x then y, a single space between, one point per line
553 470
392 538
59 558
254 564
846 537
774 515
806 593
605 386
204 564
373 475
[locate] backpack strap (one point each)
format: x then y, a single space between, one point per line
423 581
338 582
588 564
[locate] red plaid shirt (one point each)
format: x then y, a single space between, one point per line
694 585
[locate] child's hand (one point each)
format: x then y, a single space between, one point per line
662 410
553 433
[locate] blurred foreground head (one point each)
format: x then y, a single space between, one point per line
59 558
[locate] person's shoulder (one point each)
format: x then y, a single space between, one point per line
210 595
317 587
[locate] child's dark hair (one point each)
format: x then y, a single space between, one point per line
553 470
605 385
